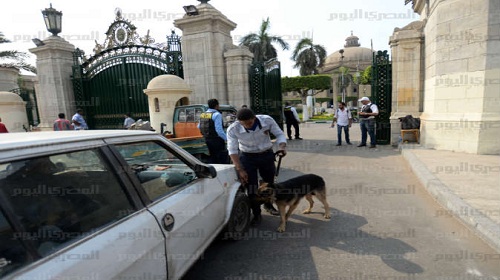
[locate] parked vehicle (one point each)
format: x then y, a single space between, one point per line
110 204
184 129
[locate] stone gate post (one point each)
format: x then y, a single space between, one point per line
54 89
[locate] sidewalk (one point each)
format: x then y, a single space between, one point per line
467 185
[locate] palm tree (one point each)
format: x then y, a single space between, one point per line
308 57
344 78
14 58
261 44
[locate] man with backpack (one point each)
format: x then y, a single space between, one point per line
343 118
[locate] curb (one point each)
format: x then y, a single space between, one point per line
483 226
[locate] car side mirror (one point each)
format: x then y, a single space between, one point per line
205 171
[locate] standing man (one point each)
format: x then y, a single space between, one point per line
343 118
367 121
291 118
3 128
128 121
78 120
62 123
250 148
211 127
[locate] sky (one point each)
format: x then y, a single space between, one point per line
327 22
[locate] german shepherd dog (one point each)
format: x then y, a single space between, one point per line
290 192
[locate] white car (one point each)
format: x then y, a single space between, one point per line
110 204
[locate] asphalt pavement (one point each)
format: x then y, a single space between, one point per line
392 217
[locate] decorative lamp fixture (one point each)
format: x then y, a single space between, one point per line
191 10
52 19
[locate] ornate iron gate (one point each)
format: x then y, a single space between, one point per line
382 95
29 96
265 90
111 83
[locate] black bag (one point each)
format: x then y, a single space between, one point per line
409 122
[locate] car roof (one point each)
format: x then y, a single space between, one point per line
22 139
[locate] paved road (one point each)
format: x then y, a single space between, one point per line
384 225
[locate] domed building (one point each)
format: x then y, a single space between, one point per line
356 59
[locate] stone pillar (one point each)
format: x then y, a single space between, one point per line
54 88
237 61
8 78
407 46
462 76
164 93
13 112
205 38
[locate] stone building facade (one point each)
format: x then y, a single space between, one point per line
356 59
446 70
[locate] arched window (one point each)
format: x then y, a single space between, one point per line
157 105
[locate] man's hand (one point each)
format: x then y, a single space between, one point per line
281 149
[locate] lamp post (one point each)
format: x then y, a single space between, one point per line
342 74
52 19
357 80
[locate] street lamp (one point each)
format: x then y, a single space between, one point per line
342 74
52 19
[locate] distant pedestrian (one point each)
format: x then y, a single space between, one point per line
128 121
62 123
3 128
291 119
78 120
367 121
343 118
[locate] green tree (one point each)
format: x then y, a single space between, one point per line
366 76
302 84
261 43
308 57
14 58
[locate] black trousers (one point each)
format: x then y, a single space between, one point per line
217 149
295 125
255 165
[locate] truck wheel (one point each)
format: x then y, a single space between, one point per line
239 221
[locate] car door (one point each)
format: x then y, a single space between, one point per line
191 210
75 215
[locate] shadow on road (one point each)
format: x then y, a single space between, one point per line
267 254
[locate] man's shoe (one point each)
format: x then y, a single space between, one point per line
298 138
290 138
373 146
256 220
349 143
361 145
271 210
338 145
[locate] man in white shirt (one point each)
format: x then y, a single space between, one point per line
367 121
343 118
250 148
291 119
128 121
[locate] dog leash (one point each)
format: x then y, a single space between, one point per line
280 156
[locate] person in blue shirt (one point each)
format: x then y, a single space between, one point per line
211 126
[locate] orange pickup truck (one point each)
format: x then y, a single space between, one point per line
185 132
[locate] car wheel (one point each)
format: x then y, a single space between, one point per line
239 221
